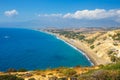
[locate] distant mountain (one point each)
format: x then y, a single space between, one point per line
62 23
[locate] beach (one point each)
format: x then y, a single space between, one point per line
90 55
82 48
70 44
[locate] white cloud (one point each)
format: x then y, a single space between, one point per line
112 14
93 14
50 15
11 12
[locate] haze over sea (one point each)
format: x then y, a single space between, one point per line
30 49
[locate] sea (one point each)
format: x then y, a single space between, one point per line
32 50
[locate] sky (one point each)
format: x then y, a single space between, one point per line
31 10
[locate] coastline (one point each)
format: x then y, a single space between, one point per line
67 41
81 47
92 63
85 50
72 45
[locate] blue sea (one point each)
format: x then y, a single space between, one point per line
30 49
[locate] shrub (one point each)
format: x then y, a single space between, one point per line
11 70
101 75
81 37
22 70
110 52
115 44
50 74
115 66
62 78
69 72
90 41
98 44
53 78
10 77
92 47
32 79
116 37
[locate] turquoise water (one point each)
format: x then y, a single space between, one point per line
30 49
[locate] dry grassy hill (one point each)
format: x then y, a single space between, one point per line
105 44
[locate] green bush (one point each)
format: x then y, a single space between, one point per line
110 52
115 66
90 41
115 44
50 74
69 72
10 77
92 47
116 37
22 70
81 37
101 75
32 79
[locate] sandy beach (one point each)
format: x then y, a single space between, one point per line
85 49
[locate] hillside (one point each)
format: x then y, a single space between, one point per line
61 73
101 72
104 44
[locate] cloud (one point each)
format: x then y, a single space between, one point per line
94 14
11 13
50 15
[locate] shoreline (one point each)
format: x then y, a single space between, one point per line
83 53
82 48
73 46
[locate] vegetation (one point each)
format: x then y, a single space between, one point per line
116 36
11 70
113 57
10 77
114 66
90 41
108 72
69 72
62 78
105 72
21 70
68 34
32 79
92 47
98 44
14 70
72 35
115 44
80 37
